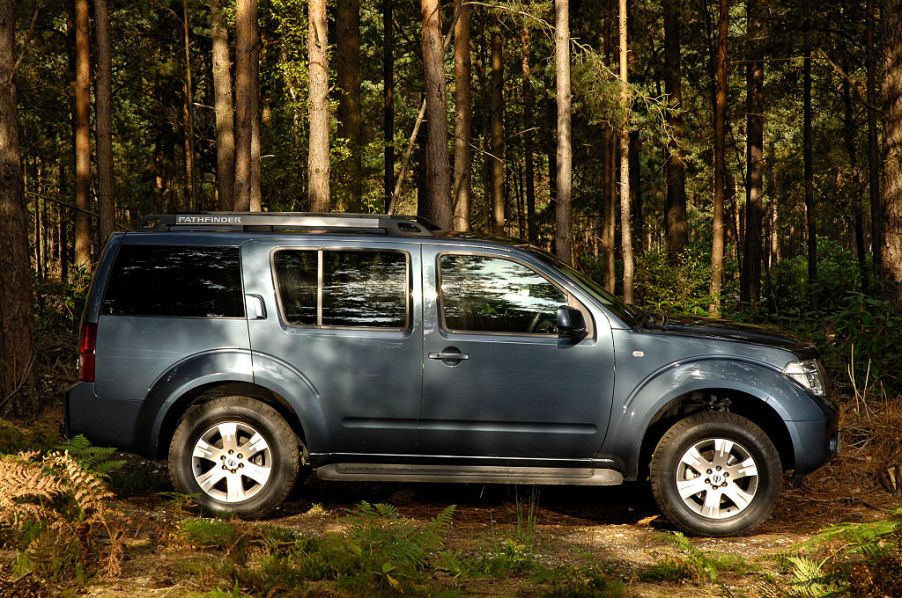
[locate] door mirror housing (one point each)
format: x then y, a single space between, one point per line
571 323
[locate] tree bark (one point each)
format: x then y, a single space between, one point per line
388 98
857 191
873 141
188 115
609 173
750 289
891 248
318 107
676 224
104 132
528 136
16 325
463 123
720 169
438 170
808 159
496 103
256 173
245 92
348 81
626 240
564 154
635 158
82 129
224 106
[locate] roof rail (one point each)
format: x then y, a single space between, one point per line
287 221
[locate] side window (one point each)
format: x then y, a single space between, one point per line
488 294
165 280
354 289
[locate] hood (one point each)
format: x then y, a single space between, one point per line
733 331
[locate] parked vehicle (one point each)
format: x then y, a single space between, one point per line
246 347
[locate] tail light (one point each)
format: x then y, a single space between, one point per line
86 350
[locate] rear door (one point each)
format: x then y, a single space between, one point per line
498 380
345 314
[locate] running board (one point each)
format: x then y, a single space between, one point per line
469 474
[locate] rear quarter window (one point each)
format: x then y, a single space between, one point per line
183 281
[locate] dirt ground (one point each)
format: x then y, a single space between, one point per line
618 528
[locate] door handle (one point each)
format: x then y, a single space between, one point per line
450 354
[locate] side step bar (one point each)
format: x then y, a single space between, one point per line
469 474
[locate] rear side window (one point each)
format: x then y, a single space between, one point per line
348 289
165 280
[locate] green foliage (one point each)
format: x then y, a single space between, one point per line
873 326
699 565
681 288
527 517
95 459
208 533
810 581
668 570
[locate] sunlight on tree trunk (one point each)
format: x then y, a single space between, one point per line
82 126
224 107
318 107
438 172
245 94
463 123
891 249
564 149
496 102
720 168
626 240
104 127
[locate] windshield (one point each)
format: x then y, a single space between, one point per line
628 313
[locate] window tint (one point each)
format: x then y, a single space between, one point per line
486 294
158 280
359 288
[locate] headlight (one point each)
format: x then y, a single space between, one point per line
808 374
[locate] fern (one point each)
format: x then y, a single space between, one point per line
94 459
810 581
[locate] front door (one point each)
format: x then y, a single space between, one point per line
498 380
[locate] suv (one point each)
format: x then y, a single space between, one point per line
248 347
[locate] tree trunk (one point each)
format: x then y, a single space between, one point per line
318 107
463 123
564 155
245 91
82 129
16 325
808 159
256 182
873 141
496 103
225 115
104 132
857 191
626 239
720 168
528 137
638 224
891 249
676 224
750 289
348 81
609 173
438 171
188 115
388 101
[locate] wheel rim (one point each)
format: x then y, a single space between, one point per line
717 478
231 462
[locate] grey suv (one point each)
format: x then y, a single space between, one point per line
249 347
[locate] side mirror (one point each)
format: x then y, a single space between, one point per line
571 323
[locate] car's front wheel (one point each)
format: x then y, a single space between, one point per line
235 455
715 474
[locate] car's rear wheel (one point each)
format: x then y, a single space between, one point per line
235 455
715 474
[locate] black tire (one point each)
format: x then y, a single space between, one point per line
723 516
279 459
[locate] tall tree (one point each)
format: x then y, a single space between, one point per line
608 210
750 289
808 160
463 123
873 141
224 106
720 167
849 129
104 126
318 106
388 98
82 130
564 154
17 324
438 204
496 103
188 114
626 241
676 225
246 92
528 137
348 81
891 248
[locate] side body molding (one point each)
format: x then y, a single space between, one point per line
641 402
222 366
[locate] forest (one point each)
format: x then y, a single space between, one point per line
736 159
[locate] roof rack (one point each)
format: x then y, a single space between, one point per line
291 221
